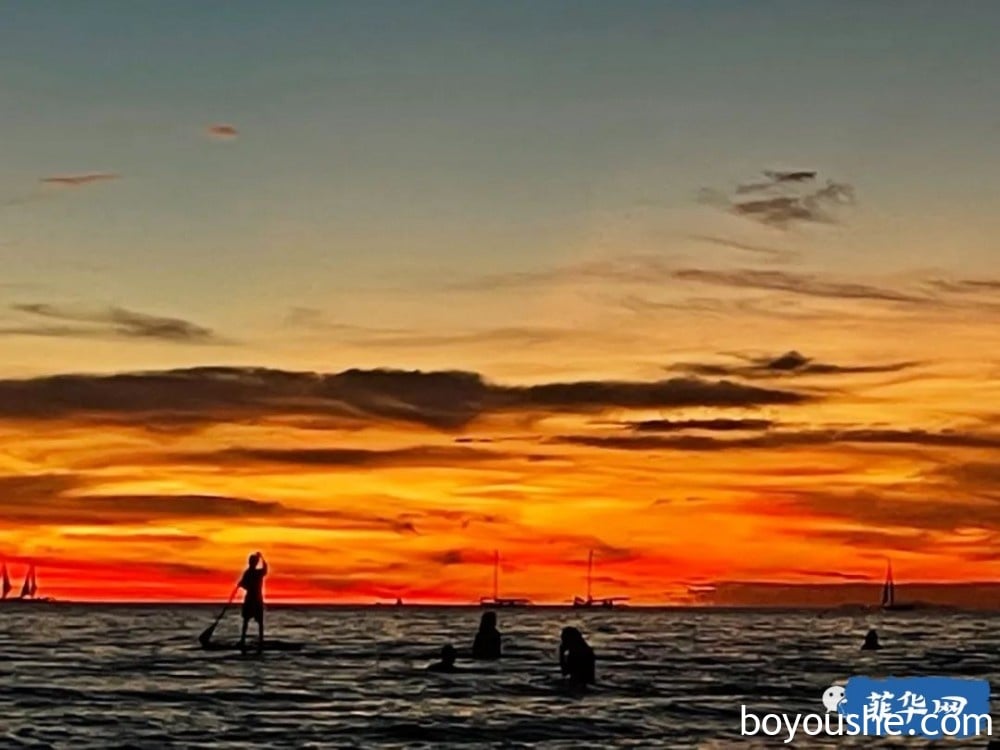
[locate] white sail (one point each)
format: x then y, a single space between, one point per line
26 586
34 582
889 589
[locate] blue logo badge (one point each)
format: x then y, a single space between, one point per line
917 706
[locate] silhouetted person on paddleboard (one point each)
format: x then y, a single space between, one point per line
253 602
487 643
447 663
576 658
871 641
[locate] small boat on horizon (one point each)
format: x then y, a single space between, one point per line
397 603
496 600
29 589
889 593
608 602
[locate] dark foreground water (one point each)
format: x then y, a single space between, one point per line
115 677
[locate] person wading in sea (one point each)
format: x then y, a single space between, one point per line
487 642
576 658
253 602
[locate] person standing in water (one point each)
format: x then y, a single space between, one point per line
576 658
253 601
487 643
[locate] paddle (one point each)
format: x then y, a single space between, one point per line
206 634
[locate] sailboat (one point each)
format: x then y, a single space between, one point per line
495 600
889 593
29 589
5 587
590 601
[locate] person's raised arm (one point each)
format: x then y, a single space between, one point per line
263 565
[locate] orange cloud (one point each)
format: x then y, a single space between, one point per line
372 484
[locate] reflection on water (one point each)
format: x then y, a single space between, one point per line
99 677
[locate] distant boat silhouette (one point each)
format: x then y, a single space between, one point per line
605 602
6 587
495 600
29 589
889 594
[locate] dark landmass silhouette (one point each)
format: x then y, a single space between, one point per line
977 595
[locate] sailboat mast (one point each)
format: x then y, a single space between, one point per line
6 587
892 586
590 573
496 575
888 593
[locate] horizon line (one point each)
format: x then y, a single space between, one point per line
341 604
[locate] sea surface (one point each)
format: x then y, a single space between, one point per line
96 677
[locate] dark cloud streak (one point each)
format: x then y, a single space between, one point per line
421 456
790 363
788 439
714 425
785 200
78 180
110 322
796 283
444 400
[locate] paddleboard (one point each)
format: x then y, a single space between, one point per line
251 646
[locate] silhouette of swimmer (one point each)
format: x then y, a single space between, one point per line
487 642
253 602
871 641
576 658
447 663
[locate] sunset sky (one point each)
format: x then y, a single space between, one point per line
712 289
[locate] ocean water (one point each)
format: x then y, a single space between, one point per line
89 677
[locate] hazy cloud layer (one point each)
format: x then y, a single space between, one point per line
979 474
626 269
67 499
883 510
662 274
811 285
110 322
769 253
445 400
966 286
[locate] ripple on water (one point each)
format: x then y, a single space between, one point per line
89 677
